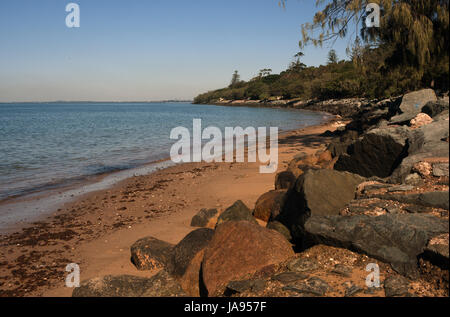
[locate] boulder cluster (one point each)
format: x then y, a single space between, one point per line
379 193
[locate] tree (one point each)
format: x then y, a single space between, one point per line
235 79
296 65
332 57
264 72
418 30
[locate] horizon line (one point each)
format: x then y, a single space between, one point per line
102 101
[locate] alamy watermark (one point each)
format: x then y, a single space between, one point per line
73 18
221 146
73 278
373 279
373 15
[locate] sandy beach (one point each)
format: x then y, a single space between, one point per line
96 230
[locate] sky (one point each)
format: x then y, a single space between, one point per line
145 50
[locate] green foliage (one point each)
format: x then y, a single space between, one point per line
409 51
332 57
415 33
235 79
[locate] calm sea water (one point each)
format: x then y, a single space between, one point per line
46 145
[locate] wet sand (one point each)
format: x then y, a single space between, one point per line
98 228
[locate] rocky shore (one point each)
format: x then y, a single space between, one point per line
377 195
342 107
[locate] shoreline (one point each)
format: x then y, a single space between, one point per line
75 232
18 212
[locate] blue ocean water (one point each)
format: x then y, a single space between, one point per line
46 145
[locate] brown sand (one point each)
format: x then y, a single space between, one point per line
97 230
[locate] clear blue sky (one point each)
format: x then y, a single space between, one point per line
145 49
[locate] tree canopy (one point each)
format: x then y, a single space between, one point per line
407 51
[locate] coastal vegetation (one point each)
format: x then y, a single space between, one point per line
408 51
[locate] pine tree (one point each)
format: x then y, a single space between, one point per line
236 78
332 57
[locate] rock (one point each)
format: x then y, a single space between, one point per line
423 168
400 188
412 104
239 248
413 179
397 239
340 145
302 265
278 226
444 115
289 277
326 192
163 285
190 281
436 199
396 285
371 185
160 285
318 192
440 170
426 142
324 156
434 108
151 254
377 153
437 250
187 259
312 286
236 212
188 248
343 270
301 163
336 148
420 120
238 287
352 290
113 286
269 205
416 209
433 135
284 180
203 217
393 210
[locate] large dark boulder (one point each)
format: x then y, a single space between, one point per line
326 192
434 108
397 239
269 205
187 249
150 253
236 212
437 251
278 226
285 180
377 153
412 104
239 248
164 285
317 192
426 142
340 145
160 285
203 217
